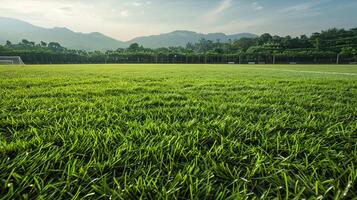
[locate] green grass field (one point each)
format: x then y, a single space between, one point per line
178 131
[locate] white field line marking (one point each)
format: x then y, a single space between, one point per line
311 72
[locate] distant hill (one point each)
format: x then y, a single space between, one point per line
181 38
15 30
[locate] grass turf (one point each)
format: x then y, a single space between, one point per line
178 131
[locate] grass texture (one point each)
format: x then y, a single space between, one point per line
178 132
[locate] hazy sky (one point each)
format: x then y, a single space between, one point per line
126 19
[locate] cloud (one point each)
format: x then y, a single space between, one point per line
257 6
213 15
124 13
66 9
137 4
303 10
298 8
243 25
222 7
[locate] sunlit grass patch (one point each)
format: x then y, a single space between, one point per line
178 131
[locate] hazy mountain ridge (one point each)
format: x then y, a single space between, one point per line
182 37
15 30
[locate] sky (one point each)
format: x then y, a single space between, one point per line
126 19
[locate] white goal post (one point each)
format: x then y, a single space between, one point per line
11 60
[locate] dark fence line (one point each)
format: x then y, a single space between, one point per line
68 58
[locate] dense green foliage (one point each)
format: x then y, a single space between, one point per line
331 46
178 131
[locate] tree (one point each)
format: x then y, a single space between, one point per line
43 44
243 44
134 47
55 46
316 39
25 42
265 38
190 46
218 50
204 45
349 52
325 47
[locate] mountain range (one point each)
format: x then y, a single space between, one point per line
15 30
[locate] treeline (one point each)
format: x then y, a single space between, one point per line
330 46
